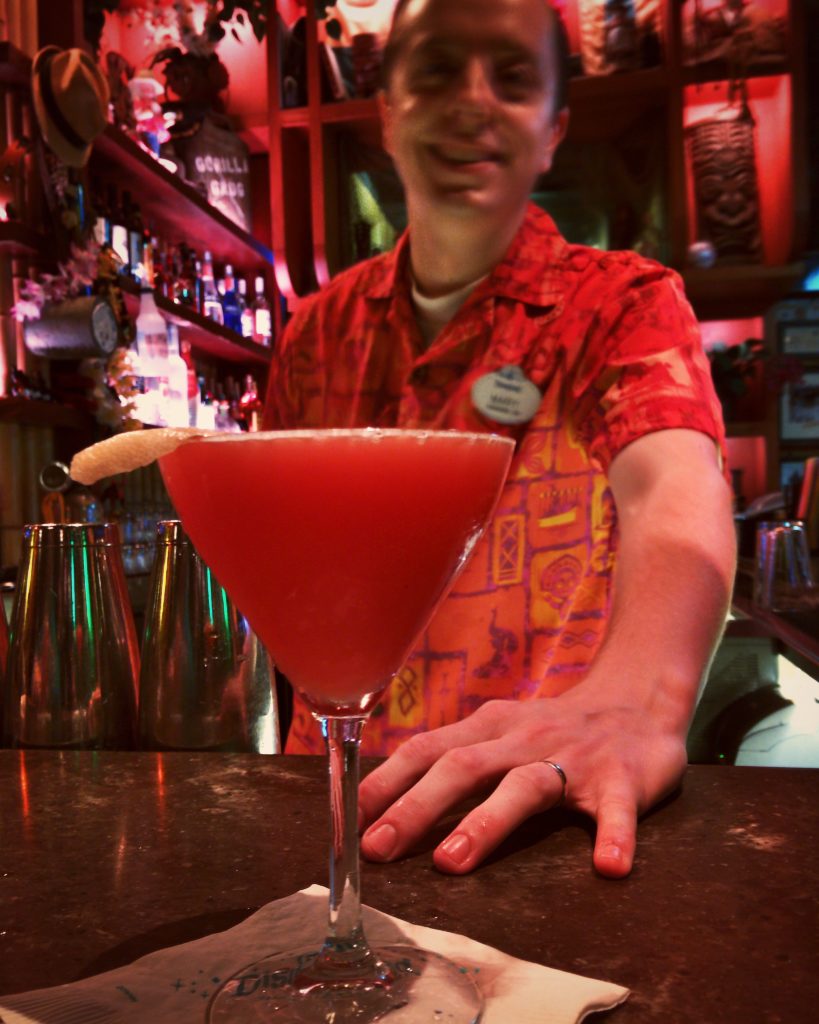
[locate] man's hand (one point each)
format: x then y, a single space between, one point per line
620 734
616 765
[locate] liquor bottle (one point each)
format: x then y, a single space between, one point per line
224 419
211 306
250 405
151 355
159 252
175 407
175 269
135 227
262 320
183 276
248 318
206 411
147 264
197 284
231 310
119 232
194 399
101 230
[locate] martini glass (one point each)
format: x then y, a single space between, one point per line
338 545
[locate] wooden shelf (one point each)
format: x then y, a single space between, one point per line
20 240
603 106
743 290
165 199
747 428
36 413
341 112
206 336
718 71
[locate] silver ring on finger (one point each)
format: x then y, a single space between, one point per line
564 784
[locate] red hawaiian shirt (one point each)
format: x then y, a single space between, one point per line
613 347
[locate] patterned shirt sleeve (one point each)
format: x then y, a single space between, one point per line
643 367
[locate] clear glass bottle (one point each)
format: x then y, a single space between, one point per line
211 305
262 319
151 353
102 219
133 222
119 231
248 318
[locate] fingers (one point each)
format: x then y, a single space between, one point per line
456 775
616 838
413 759
522 792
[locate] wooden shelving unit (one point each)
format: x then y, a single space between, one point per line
166 200
744 290
205 336
306 190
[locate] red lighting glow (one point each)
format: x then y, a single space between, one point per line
730 332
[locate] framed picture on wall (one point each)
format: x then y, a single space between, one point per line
799 409
799 339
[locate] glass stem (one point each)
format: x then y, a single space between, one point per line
345 948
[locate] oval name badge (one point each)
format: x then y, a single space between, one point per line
506 395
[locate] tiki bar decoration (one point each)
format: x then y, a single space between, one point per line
723 163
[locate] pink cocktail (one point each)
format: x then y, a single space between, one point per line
338 546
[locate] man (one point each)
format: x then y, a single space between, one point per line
567 660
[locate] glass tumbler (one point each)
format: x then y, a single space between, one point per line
783 577
73 658
206 681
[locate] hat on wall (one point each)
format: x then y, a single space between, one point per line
71 101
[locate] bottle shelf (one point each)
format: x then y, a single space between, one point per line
739 291
719 71
166 200
205 335
33 412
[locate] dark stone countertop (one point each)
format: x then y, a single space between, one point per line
106 856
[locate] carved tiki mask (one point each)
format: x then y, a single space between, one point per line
725 186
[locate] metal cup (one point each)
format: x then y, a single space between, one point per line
207 682
783 577
73 658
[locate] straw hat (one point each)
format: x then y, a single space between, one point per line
71 101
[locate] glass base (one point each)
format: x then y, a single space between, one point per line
411 986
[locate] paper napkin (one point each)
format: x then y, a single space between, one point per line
176 984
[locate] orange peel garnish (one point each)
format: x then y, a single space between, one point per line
131 450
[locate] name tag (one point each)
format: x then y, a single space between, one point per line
506 395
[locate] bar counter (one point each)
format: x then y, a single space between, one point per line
107 856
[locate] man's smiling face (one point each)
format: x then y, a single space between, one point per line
469 105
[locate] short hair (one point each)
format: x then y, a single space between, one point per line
562 52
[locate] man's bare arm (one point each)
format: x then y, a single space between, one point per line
620 734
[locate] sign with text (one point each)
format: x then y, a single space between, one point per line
216 160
